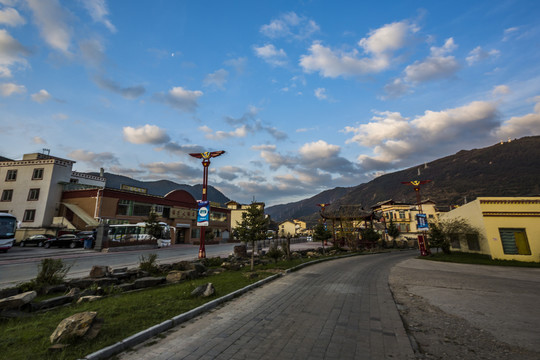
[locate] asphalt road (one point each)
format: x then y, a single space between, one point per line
21 264
341 309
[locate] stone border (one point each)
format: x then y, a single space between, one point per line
146 334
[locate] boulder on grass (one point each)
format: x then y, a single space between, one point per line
148 282
240 251
204 290
17 301
75 326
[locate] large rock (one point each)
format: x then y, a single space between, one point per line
178 275
17 301
75 326
148 282
199 268
99 271
52 302
90 298
204 290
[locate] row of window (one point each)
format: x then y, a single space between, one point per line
37 174
7 195
514 241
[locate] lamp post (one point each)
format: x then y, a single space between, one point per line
422 242
205 156
323 206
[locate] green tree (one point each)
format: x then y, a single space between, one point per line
152 225
440 234
253 227
321 234
393 230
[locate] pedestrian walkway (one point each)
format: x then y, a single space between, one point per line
340 309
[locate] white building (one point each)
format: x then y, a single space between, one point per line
31 189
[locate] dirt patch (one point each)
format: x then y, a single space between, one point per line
438 335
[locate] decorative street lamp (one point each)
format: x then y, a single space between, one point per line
421 219
204 207
323 206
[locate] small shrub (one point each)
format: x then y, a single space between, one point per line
148 264
274 253
212 262
50 272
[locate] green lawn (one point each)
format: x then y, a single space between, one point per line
123 314
479 259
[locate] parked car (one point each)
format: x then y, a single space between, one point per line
309 238
38 240
66 240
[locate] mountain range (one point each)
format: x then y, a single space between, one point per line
505 169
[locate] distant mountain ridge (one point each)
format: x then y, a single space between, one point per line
508 169
163 187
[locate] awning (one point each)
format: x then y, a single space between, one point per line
183 225
90 221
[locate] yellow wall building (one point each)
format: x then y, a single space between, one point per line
236 211
292 228
509 227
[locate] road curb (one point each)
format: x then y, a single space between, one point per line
146 334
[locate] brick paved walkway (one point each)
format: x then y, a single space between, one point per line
341 309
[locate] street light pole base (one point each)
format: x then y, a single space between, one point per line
202 254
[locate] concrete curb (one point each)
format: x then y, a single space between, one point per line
146 334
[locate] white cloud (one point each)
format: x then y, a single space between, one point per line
290 25
175 148
501 90
94 159
60 116
382 127
379 47
320 93
239 64
8 89
10 53
518 126
239 132
11 17
147 134
436 66
390 37
509 33
319 150
216 79
271 55
177 169
268 147
479 54
41 96
38 140
180 98
98 11
398 141
51 19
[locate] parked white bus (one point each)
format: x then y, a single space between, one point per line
129 234
8 224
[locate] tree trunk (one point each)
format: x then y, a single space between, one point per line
252 254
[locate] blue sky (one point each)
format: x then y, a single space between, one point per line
302 95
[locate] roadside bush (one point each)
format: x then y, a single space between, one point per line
212 262
274 252
148 264
50 272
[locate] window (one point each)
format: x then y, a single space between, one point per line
401 214
514 241
7 195
11 175
33 195
141 209
125 207
472 242
29 215
37 174
454 241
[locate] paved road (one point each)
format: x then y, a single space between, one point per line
340 309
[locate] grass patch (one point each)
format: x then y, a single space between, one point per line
123 315
478 259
